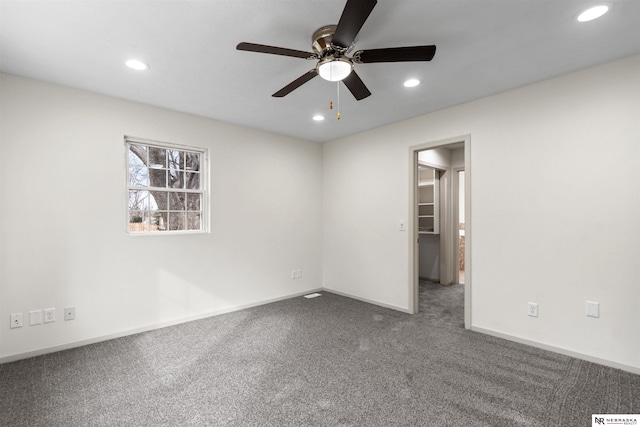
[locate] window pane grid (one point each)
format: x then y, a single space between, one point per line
165 191
171 190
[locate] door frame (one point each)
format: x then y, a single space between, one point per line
413 223
456 219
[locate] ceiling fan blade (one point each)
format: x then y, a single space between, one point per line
261 48
354 15
395 54
356 86
296 83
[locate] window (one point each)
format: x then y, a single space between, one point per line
166 189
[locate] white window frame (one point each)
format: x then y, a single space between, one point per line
203 190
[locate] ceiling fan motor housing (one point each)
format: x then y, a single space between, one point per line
321 40
333 64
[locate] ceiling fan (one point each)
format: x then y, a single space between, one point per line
332 43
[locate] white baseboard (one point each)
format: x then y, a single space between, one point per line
378 303
566 352
87 341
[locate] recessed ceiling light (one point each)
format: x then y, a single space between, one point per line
593 13
318 118
412 83
137 65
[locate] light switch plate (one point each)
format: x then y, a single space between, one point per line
592 309
35 317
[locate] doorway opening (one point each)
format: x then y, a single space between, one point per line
439 227
430 197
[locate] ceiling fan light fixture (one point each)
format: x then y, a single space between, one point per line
593 13
334 69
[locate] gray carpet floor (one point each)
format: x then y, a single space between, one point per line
327 361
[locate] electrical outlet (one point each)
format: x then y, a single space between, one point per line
532 309
69 313
403 225
35 317
49 315
16 320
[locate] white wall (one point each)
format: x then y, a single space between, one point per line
559 161
63 218
555 189
437 157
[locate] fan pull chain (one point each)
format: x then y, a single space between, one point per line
338 86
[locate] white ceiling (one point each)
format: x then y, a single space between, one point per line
483 47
